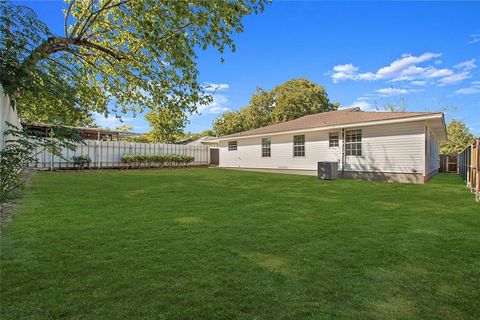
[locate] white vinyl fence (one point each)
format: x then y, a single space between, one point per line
108 154
7 114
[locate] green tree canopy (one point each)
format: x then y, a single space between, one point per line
290 100
114 54
459 137
167 126
124 128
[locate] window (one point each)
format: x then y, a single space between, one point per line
299 146
266 147
353 142
232 145
333 139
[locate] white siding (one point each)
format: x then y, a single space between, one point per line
396 148
248 153
432 152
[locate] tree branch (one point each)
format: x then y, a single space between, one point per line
58 44
87 44
77 25
67 14
95 14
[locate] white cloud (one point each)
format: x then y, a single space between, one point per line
432 72
406 69
213 87
109 122
385 92
363 99
407 60
217 110
343 72
473 89
220 102
474 38
347 68
466 65
368 76
418 83
362 104
402 67
454 78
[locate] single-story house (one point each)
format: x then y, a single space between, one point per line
205 140
391 146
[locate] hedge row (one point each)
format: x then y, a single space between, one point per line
154 159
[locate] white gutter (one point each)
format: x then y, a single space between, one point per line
339 126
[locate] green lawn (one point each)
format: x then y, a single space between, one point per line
219 244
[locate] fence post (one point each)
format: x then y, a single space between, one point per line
51 158
95 152
477 169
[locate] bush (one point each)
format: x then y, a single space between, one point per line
22 146
139 160
81 161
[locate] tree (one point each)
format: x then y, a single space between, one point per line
167 125
459 137
399 107
39 108
299 97
125 54
290 100
124 128
229 122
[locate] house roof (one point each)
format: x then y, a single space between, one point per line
201 140
87 133
333 118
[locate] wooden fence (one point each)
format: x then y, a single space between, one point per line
448 163
468 164
108 154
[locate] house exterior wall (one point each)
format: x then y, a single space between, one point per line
248 154
432 153
393 148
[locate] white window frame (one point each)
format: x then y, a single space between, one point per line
232 145
266 148
330 140
299 146
353 147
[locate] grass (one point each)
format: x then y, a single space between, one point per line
219 244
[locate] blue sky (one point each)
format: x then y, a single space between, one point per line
424 55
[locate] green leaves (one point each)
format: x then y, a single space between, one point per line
290 100
167 125
122 55
459 137
156 160
23 146
81 161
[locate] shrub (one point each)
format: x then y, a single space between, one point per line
82 161
139 160
23 146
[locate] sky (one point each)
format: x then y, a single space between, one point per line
423 55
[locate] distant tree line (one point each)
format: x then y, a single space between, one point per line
290 100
